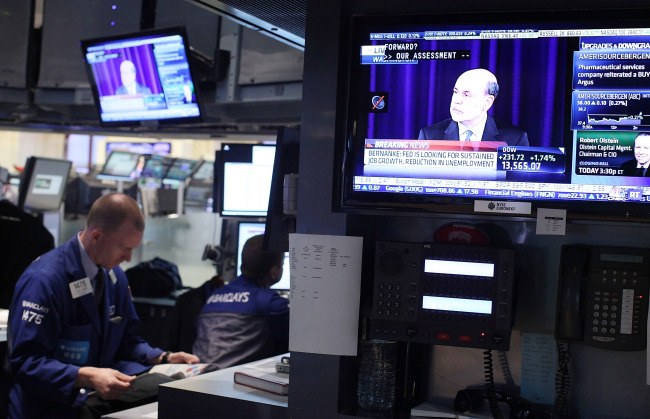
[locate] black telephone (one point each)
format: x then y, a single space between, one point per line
602 297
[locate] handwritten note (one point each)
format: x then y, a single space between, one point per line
538 365
325 291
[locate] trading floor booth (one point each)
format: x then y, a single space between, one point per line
580 215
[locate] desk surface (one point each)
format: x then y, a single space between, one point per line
221 383
218 385
148 411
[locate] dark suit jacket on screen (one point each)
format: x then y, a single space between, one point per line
495 130
629 169
139 89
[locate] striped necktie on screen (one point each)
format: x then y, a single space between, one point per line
468 134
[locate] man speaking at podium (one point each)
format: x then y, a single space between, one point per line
473 96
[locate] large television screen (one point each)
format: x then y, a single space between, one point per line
43 183
498 113
245 171
143 78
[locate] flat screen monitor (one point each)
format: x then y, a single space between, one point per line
156 167
246 171
143 78
120 165
181 169
158 147
556 104
246 230
204 170
43 184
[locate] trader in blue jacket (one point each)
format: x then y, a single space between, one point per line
244 320
72 325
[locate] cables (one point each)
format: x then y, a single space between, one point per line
489 384
562 380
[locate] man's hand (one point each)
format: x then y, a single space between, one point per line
176 358
108 383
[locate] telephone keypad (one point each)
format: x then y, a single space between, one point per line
606 305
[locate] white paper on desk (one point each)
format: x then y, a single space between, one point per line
325 289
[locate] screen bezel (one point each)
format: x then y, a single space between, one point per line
149 122
351 87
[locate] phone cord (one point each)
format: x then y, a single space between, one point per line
562 380
489 385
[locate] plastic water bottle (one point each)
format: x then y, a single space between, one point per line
376 387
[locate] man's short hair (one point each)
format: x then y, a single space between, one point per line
111 211
257 262
492 89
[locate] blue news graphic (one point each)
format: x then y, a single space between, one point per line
610 76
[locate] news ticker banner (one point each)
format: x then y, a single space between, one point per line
468 169
512 33
482 160
504 190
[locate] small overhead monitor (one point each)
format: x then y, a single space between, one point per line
156 167
246 171
181 169
143 78
43 183
120 165
246 230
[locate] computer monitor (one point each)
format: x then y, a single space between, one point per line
143 78
120 165
204 170
156 167
181 169
43 184
246 172
246 230
199 190
158 147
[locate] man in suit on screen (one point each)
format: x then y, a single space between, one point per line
638 166
129 84
474 94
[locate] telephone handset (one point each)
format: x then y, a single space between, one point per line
602 296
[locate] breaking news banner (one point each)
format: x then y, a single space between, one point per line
483 160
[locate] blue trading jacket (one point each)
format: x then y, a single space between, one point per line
54 329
